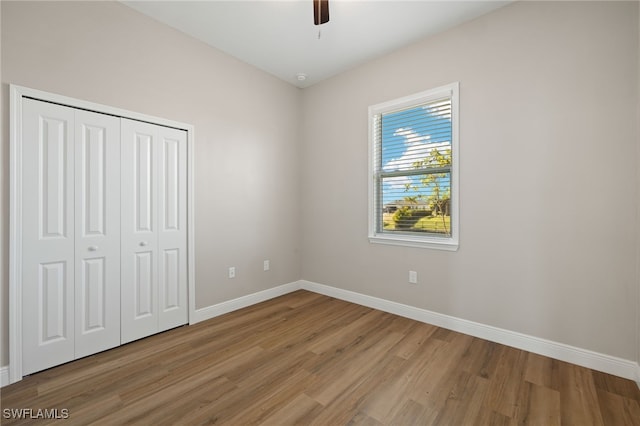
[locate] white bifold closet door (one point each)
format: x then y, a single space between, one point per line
154 229
70 234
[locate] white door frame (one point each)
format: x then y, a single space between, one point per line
15 205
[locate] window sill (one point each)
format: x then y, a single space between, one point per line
447 244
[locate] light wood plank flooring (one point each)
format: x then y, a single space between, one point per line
305 358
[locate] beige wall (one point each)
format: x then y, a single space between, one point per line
638 212
4 224
548 133
246 129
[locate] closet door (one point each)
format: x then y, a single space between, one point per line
172 238
139 256
154 229
47 235
97 232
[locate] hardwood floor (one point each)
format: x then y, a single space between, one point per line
305 358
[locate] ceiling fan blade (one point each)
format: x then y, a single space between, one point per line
320 12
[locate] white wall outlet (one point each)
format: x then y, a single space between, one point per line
232 272
413 277
266 265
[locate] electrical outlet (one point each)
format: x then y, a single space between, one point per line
266 265
413 277
232 272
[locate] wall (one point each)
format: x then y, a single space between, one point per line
246 129
548 129
4 228
638 212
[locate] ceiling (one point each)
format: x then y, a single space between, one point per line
279 36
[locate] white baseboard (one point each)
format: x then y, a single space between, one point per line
213 311
596 361
4 375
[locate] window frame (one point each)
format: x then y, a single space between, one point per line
430 241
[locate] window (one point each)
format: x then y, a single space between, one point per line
413 194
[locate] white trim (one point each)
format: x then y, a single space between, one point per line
222 308
451 243
15 236
17 93
191 235
585 358
411 241
4 375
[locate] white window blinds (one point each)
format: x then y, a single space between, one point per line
413 159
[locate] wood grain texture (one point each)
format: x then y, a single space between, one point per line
308 359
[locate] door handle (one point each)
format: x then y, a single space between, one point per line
143 243
93 248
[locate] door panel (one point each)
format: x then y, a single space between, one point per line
144 279
93 304
92 179
154 242
143 182
171 180
53 146
172 238
139 236
52 288
97 251
47 235
171 279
